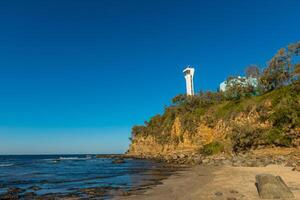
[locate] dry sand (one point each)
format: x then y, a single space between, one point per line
218 183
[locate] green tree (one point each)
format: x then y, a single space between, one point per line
252 71
294 50
278 73
238 87
297 71
179 99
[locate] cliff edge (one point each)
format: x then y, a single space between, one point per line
210 124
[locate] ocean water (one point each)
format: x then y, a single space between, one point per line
57 174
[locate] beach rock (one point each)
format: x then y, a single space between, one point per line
16 190
290 164
118 192
118 161
231 198
226 162
233 191
29 195
34 188
271 187
9 196
12 194
181 156
218 193
297 168
205 161
237 163
197 160
95 192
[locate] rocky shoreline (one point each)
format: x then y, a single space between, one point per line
153 177
174 163
237 171
260 158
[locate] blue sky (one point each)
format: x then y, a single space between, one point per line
75 76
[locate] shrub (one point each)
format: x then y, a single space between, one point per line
246 137
189 123
163 139
212 148
175 140
276 137
282 117
286 113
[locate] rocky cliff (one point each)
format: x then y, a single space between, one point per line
195 125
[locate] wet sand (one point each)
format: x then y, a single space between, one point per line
218 183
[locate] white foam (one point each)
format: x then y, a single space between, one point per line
74 158
6 164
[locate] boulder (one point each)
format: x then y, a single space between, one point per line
16 190
218 193
34 188
205 161
181 156
174 157
231 198
272 187
297 168
118 161
29 195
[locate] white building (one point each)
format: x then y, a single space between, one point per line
245 81
189 76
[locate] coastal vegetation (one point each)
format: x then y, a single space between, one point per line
240 118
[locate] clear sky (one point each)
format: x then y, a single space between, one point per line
75 76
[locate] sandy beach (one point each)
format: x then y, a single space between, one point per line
218 183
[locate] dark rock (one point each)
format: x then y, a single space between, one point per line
16 190
226 162
218 193
233 191
271 187
29 195
9 196
205 161
34 188
119 192
44 182
12 194
111 156
231 198
118 161
94 191
297 168
182 156
290 164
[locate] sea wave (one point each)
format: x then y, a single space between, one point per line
75 158
6 164
67 158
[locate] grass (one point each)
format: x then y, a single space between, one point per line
212 148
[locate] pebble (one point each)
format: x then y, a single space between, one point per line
231 198
233 191
218 193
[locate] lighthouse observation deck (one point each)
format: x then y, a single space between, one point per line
189 76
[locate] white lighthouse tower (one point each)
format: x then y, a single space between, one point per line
189 75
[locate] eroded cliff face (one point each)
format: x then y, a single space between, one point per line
148 146
201 124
